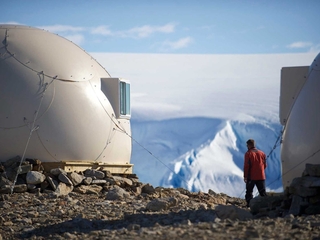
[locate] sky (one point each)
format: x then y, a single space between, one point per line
176 27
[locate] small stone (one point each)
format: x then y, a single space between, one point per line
148 189
136 189
99 181
107 173
289 216
9 223
123 181
68 235
186 222
25 169
5 205
133 227
160 204
31 186
87 180
45 184
91 189
5 189
4 197
33 214
20 188
53 183
94 173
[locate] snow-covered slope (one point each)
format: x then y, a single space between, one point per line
202 153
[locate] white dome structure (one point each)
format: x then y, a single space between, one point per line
58 104
300 115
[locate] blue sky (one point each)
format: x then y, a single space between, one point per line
188 27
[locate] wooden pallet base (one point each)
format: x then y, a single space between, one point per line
79 166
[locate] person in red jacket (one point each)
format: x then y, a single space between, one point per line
253 170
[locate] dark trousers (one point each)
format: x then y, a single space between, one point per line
250 185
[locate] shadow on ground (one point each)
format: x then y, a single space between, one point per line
82 225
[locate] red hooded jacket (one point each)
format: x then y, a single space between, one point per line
254 164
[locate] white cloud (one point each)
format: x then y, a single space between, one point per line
136 32
102 30
12 23
168 28
181 43
76 38
311 47
315 48
62 28
299 45
147 30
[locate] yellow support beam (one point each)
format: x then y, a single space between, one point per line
79 166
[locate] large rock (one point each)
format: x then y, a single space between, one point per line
4 181
160 204
305 186
57 171
11 173
12 162
232 212
63 178
312 209
117 193
312 170
11 167
52 182
63 189
76 178
92 189
148 189
20 188
217 198
122 180
35 178
24 168
270 202
35 163
295 208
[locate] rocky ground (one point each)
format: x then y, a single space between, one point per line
97 205
180 215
